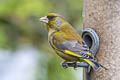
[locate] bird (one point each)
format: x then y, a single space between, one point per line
67 42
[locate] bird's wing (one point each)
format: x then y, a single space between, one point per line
74 48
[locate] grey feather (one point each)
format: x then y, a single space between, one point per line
75 47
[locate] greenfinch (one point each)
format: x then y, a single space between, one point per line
66 42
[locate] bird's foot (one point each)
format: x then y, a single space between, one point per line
75 65
64 64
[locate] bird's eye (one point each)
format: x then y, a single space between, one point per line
50 17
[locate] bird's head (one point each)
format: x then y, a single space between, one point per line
53 21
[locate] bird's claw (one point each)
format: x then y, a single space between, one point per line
64 64
75 65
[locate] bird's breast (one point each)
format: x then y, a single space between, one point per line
59 52
66 57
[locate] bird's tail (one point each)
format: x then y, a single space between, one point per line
94 64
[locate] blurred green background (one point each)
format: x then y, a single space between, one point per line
24 50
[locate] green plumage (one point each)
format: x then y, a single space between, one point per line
66 42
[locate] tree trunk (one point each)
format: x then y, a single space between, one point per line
104 17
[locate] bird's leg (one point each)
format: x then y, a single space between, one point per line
64 64
75 65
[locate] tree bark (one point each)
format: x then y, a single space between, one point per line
104 17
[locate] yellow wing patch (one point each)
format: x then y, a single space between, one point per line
88 61
72 53
76 55
89 53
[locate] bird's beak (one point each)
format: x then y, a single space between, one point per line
44 19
